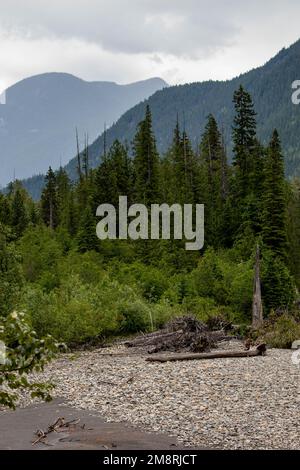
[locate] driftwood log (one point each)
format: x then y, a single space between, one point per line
258 351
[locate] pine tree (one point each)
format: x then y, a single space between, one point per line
274 222
103 187
244 131
246 185
86 237
214 172
63 190
5 210
190 181
278 291
293 229
181 170
11 276
120 175
146 163
34 216
49 203
19 220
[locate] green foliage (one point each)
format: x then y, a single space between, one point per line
214 182
19 218
151 281
11 279
86 237
113 177
275 200
22 352
49 200
41 254
278 290
146 163
135 317
281 331
79 288
293 229
244 132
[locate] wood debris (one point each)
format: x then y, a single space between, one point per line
184 334
60 425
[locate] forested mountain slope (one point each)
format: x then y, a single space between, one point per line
269 85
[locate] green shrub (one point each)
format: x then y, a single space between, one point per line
22 352
11 278
88 266
135 317
151 281
281 332
41 252
278 289
208 277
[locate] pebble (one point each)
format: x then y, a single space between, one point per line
241 403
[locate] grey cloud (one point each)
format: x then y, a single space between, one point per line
192 28
127 40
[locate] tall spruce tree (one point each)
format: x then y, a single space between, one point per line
49 203
63 189
19 219
293 229
274 221
104 182
86 236
246 185
181 170
146 163
244 131
120 174
173 169
214 181
5 210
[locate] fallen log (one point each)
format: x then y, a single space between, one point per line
175 338
151 339
258 351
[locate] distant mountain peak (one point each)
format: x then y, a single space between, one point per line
40 113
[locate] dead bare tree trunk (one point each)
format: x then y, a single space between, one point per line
257 308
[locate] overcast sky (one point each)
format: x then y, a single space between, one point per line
129 40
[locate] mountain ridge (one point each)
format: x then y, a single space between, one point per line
39 117
221 106
270 87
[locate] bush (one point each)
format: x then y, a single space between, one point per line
88 266
208 278
152 282
11 279
74 312
278 290
22 352
281 332
135 317
41 252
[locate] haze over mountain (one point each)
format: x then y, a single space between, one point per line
39 117
271 90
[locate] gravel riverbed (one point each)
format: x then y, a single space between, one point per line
243 403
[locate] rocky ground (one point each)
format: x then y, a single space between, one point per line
242 403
